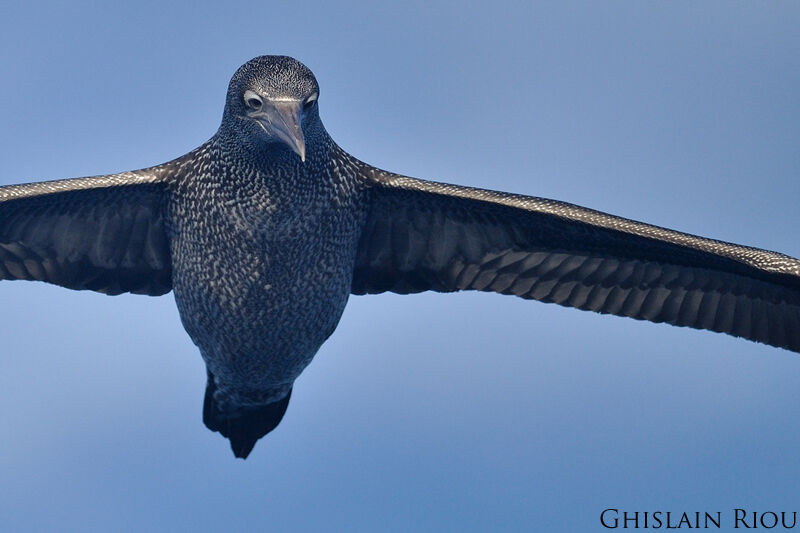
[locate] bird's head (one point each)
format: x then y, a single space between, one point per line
272 99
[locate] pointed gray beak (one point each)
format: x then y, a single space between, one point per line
282 119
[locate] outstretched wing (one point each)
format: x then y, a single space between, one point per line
104 233
422 235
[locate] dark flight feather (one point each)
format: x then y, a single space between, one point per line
105 234
422 235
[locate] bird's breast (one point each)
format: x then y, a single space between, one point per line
260 285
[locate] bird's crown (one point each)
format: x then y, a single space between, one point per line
274 77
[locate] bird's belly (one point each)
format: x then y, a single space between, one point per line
259 314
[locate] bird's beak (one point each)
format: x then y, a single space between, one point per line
282 118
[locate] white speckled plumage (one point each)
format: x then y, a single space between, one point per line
264 231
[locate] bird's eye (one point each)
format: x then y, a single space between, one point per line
252 100
309 103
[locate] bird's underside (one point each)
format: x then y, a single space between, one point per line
118 233
418 236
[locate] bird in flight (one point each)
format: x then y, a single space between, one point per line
263 232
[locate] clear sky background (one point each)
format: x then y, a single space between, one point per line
468 412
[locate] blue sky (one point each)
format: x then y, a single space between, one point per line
468 412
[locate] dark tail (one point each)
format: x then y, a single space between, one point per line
245 426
